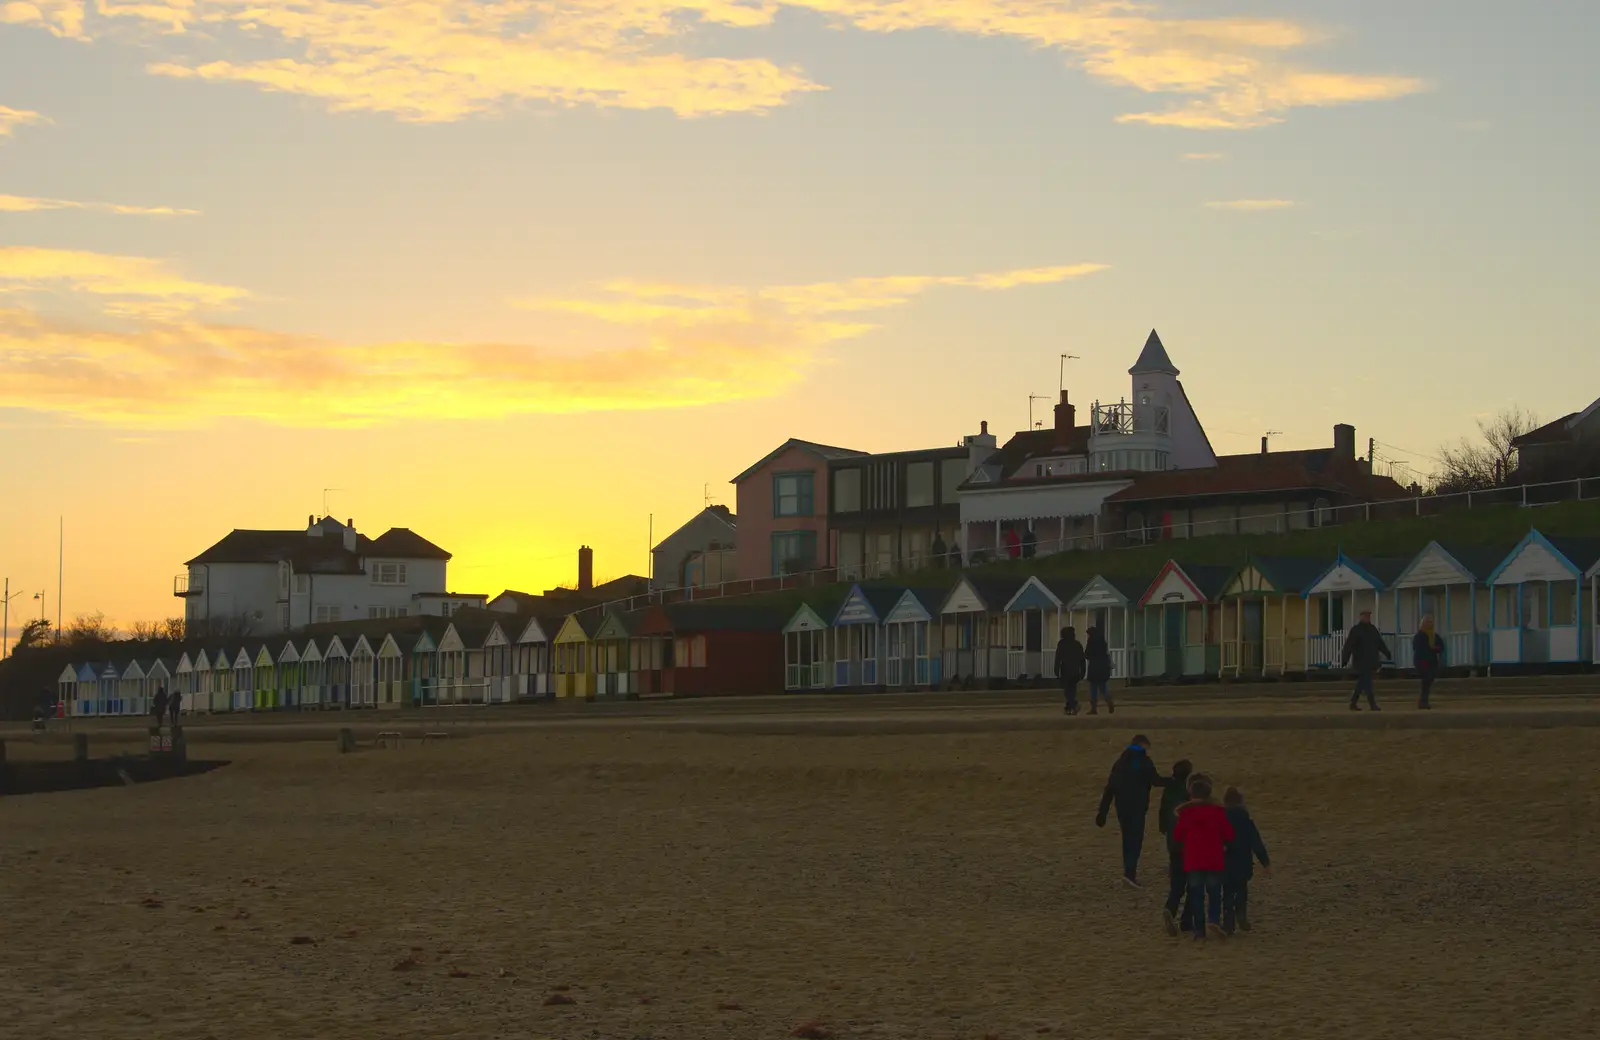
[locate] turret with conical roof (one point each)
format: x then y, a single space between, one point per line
1153 358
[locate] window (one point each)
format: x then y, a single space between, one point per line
388 574
791 494
919 484
327 613
197 579
951 473
1563 604
1322 513
697 652
283 616
386 612
283 579
794 552
846 491
302 584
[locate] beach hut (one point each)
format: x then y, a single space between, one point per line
1536 606
533 657
184 681
716 649
610 647
286 662
574 668
1034 617
805 650
130 689
311 691
973 629
159 675
1336 599
203 682
67 690
911 637
1263 615
86 689
1593 577
1179 611
858 635
377 675
1110 604
335 672
461 659
420 648
1451 583
242 681
499 661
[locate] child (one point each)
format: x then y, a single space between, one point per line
1202 828
1172 796
1243 851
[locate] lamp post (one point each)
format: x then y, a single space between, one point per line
5 627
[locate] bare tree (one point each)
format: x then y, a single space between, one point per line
88 629
1489 461
144 631
232 626
35 633
175 629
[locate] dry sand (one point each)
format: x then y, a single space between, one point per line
680 884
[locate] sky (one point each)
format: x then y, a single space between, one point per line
527 274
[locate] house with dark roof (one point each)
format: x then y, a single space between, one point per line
782 504
1050 485
704 551
260 583
899 510
1566 449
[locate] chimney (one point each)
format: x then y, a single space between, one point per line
1263 445
349 537
350 524
311 520
1344 441
979 447
1066 415
585 568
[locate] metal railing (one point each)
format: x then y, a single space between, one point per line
1141 536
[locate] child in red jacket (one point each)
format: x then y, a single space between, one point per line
1203 830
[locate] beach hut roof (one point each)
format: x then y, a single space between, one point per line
868 604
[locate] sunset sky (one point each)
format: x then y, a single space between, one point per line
518 273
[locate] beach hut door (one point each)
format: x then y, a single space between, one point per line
1172 622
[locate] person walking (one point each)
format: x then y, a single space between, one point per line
174 706
1030 542
1365 651
1013 544
1128 790
1097 654
158 706
1070 668
937 550
1427 652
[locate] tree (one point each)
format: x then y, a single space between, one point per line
175 629
34 634
90 629
144 631
1477 465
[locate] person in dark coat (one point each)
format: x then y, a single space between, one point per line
1239 866
158 705
1427 652
1030 542
1365 651
1097 653
1070 668
174 706
1128 790
937 550
1172 796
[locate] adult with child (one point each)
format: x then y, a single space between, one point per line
1427 653
1097 669
1239 868
1128 790
1365 651
1070 666
1204 832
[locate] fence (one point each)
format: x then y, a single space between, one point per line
1141 535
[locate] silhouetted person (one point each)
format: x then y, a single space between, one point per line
1427 653
158 705
1030 542
937 550
1069 667
1365 651
1097 654
174 705
1128 790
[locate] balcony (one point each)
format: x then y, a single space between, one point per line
182 588
1124 419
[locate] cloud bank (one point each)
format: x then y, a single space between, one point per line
165 367
25 204
442 60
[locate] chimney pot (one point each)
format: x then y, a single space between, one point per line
983 427
1263 445
1344 441
311 520
1066 415
349 523
585 568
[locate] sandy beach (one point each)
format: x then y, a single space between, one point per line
637 881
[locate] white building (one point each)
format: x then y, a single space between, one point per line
1054 482
700 553
270 582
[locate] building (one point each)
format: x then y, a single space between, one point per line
1053 483
887 511
782 505
1269 492
702 552
561 601
1566 449
272 582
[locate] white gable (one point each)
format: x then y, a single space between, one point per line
311 653
202 662
805 620
1342 578
534 633
263 659
1534 562
336 649
133 671
388 648
185 665
242 660
158 670
1433 567
964 599
288 653
68 674
496 637
1173 587
909 608
1097 594
451 641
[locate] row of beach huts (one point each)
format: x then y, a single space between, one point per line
1535 605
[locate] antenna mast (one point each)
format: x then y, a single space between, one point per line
1032 398
1064 359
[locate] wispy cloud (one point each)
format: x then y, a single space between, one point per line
682 345
61 17
122 286
26 204
1203 156
438 60
1253 205
11 118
